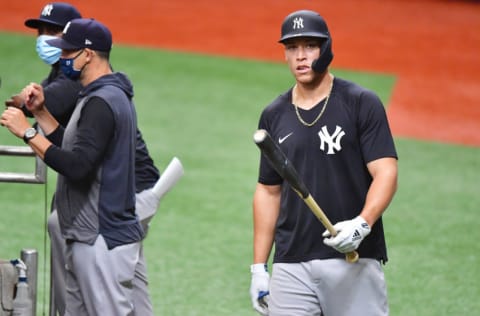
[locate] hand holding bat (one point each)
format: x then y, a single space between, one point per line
286 170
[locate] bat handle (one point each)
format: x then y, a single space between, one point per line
350 257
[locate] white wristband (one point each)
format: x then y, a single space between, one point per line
258 267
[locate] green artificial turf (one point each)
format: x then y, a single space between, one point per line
204 110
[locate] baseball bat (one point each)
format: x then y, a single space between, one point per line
287 171
170 176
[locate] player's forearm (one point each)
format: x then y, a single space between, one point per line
266 206
263 238
46 121
381 191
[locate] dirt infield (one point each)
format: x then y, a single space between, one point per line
432 46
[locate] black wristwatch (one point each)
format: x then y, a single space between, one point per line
29 134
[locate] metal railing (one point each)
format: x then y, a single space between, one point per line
40 175
30 256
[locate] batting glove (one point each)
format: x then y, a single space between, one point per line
349 235
259 288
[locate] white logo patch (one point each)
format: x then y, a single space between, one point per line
332 141
297 23
88 42
47 10
66 28
282 139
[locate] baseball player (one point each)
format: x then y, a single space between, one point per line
337 136
61 94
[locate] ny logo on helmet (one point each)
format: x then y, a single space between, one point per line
47 10
297 23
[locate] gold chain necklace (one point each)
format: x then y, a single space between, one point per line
321 112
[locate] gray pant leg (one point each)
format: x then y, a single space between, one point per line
351 289
99 281
57 245
292 291
146 206
141 296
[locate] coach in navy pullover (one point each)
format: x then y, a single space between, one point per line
86 188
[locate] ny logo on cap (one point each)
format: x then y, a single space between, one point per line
298 23
47 10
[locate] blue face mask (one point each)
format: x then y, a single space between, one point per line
47 53
66 65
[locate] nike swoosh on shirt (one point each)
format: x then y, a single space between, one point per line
282 139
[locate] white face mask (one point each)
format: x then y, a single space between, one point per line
47 53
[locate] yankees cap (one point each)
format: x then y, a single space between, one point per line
56 13
84 33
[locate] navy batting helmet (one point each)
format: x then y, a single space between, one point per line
306 23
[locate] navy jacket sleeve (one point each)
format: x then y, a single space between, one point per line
61 97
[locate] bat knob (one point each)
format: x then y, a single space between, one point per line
352 257
259 136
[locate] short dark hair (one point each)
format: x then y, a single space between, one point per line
51 28
103 55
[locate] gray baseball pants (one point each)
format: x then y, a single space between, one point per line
99 281
145 202
330 287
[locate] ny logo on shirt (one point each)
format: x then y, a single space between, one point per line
332 141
